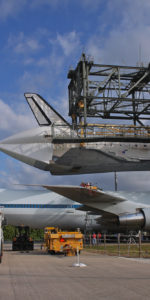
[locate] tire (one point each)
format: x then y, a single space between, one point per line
52 252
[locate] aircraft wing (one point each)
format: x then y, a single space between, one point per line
103 217
94 200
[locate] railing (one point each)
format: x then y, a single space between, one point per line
100 130
116 130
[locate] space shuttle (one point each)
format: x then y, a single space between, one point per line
56 147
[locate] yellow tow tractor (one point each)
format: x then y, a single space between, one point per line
65 242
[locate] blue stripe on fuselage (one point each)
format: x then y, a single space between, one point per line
75 206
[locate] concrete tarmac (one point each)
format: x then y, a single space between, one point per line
36 275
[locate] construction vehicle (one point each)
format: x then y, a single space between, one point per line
89 186
22 241
68 243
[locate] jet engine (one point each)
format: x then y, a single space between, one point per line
136 221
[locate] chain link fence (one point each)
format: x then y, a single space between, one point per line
118 244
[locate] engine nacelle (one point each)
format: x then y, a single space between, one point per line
136 221
146 213
132 221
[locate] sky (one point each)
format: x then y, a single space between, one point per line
39 41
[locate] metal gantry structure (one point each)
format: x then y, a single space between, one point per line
109 92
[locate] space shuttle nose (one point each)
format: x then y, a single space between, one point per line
32 147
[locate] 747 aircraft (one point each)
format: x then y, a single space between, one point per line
68 207
71 207
54 146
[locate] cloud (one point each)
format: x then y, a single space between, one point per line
131 13
44 58
121 47
51 3
134 181
123 29
90 5
21 44
27 45
69 42
11 8
12 122
29 61
31 81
